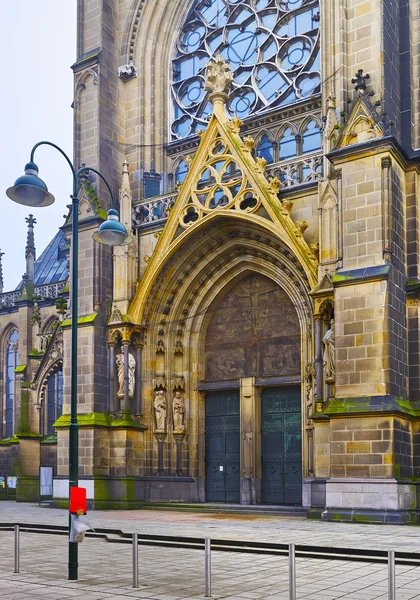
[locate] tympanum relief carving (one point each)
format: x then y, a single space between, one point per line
254 331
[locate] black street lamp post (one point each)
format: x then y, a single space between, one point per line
30 190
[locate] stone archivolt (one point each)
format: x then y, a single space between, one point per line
208 193
180 285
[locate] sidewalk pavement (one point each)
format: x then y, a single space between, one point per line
105 570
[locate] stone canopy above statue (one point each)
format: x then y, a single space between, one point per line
253 331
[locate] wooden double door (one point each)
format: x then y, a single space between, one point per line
281 446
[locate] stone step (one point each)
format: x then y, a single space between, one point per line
210 507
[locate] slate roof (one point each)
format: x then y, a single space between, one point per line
52 265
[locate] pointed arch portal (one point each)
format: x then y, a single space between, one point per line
227 291
253 335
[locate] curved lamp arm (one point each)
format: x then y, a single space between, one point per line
76 174
61 151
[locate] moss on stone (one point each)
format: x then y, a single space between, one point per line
371 405
20 369
24 426
126 420
94 419
358 518
49 439
11 439
337 278
81 320
35 353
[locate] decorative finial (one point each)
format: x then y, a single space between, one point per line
1 273
126 197
30 252
360 80
218 78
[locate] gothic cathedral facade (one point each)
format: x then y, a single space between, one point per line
258 340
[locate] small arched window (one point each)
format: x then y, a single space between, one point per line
181 172
287 146
265 149
311 139
11 364
54 400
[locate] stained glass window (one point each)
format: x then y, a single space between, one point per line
181 172
265 149
54 400
311 139
11 364
287 146
272 47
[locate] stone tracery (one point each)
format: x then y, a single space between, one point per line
271 45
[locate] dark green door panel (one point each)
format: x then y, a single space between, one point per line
281 445
222 447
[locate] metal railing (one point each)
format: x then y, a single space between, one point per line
390 557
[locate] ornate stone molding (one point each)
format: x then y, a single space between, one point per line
48 291
178 383
152 211
159 382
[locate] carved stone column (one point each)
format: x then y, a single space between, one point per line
319 406
160 408
178 437
111 355
386 209
310 433
125 345
340 235
250 442
178 418
160 438
139 355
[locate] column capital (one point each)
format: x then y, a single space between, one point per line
138 340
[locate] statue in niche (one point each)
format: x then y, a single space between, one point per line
178 411
131 375
310 392
160 410
329 354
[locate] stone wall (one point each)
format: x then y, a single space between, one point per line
362 447
49 456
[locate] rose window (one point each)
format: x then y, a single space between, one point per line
272 47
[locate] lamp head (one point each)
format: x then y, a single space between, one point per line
29 189
112 232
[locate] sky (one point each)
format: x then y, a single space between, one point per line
37 48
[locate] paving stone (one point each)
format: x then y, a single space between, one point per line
176 574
